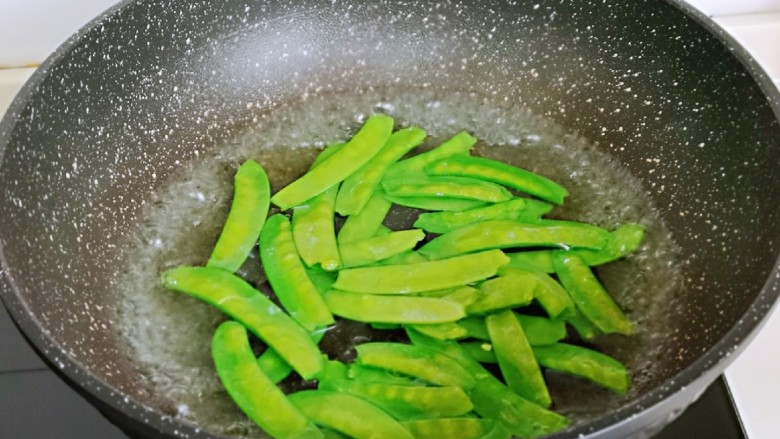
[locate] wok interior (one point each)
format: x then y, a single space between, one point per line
156 86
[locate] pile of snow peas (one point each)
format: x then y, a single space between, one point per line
482 277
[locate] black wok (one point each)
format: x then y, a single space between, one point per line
144 92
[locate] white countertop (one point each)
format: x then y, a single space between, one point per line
752 379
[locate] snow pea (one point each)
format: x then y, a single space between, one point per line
501 173
446 187
516 359
514 234
256 395
356 152
541 331
236 298
480 351
407 402
348 414
459 144
370 308
589 295
510 291
585 363
377 248
358 187
621 242
321 279
443 331
365 224
465 295
422 276
584 328
476 327
435 203
251 199
552 297
407 257
274 366
332 371
368 374
443 222
491 398
287 276
462 428
415 361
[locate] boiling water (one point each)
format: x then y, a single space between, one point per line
170 334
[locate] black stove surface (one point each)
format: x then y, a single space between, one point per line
36 403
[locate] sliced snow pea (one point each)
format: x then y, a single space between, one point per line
443 331
589 295
446 187
274 365
459 144
510 291
585 329
514 234
358 187
369 374
422 276
236 298
287 276
621 242
480 351
435 203
491 398
462 428
407 402
377 248
443 222
516 359
415 361
348 414
251 199
585 363
256 395
541 331
365 224
373 308
313 228
336 168
501 173
549 293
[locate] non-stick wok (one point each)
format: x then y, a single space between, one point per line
150 87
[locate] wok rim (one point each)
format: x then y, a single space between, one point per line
699 374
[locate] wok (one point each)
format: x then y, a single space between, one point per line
139 96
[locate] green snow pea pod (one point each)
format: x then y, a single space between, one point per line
236 298
321 279
541 331
513 234
422 276
480 351
332 434
502 292
358 187
516 358
459 144
384 326
288 277
415 361
377 248
446 187
274 365
336 168
313 228
443 222
585 363
549 293
251 199
476 327
368 374
256 395
332 371
373 308
407 402
464 295
620 243
462 428
585 329
365 224
443 331
435 203
589 295
501 173
348 414
494 400
407 257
